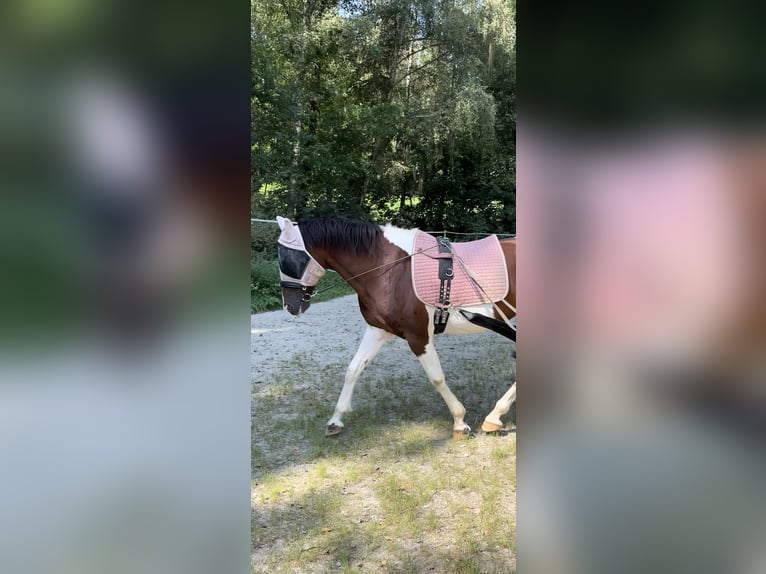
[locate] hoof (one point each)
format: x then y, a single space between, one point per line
489 427
333 430
465 433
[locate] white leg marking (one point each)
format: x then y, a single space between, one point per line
372 341
502 407
430 362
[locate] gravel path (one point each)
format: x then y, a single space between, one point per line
331 331
321 512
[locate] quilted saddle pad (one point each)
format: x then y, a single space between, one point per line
483 257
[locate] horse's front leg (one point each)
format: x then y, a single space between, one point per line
431 365
372 341
492 422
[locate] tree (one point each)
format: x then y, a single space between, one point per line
396 110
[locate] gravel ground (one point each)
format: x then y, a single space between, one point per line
331 331
394 493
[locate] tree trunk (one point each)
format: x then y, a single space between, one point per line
490 58
409 59
292 186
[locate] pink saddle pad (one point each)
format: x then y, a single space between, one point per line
484 258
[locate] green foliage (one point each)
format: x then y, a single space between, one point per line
263 240
265 293
399 111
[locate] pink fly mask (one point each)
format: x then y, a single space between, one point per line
297 268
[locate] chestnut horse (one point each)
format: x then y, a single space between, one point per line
375 261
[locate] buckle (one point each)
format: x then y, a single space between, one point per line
308 293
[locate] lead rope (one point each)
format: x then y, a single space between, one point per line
455 255
342 280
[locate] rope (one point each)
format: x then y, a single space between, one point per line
455 255
368 271
467 269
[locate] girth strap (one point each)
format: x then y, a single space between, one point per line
446 273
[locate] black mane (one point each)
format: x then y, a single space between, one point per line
336 232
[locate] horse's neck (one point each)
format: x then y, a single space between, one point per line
350 265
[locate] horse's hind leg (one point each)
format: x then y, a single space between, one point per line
431 365
372 341
492 422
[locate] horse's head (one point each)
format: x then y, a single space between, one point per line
299 272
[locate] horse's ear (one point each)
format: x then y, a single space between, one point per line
287 227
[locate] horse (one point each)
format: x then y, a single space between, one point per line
376 262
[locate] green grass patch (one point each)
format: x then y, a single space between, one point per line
394 492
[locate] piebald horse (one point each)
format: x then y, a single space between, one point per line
375 261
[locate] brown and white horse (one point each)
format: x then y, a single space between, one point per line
375 261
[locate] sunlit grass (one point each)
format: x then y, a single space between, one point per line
393 493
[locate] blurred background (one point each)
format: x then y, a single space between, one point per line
124 354
641 215
123 277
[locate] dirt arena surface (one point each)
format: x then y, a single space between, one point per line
394 493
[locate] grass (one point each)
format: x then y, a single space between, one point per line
394 493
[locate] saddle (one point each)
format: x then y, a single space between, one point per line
442 273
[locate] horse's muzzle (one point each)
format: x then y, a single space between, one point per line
292 310
296 298
297 308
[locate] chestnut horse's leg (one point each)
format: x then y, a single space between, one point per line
372 341
492 422
431 365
